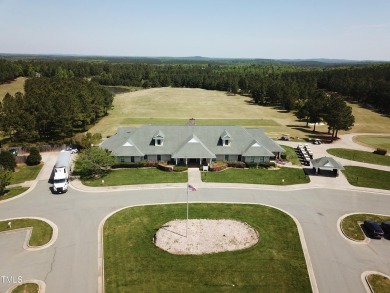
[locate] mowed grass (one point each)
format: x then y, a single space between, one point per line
12 192
360 156
291 155
26 288
41 232
379 283
368 121
177 105
351 227
283 176
12 87
132 263
373 141
167 121
137 176
366 177
25 173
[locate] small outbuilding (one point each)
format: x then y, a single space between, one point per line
326 163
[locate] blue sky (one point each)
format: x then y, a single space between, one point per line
276 29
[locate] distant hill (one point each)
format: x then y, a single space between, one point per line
320 62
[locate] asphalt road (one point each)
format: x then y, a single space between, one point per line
71 263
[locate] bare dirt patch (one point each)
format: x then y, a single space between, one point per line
205 236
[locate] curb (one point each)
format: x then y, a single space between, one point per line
364 277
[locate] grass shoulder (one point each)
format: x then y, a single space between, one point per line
137 176
351 228
360 156
379 283
374 141
25 173
41 234
132 263
12 192
367 177
26 288
283 176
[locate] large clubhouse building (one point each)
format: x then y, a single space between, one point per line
191 144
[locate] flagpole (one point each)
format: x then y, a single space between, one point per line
187 210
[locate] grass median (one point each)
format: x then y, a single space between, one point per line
379 283
351 227
12 192
132 263
360 156
283 176
26 288
41 231
137 176
366 177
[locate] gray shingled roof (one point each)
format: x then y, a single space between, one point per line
256 149
326 163
193 148
176 141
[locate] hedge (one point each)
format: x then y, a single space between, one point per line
180 168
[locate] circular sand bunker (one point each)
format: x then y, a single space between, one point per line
205 236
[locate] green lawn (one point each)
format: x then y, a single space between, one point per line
382 142
351 227
173 121
25 173
379 284
360 156
41 233
257 176
366 177
26 288
138 176
12 192
132 263
291 155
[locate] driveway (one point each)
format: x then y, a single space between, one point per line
71 263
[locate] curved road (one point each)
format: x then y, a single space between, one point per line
71 263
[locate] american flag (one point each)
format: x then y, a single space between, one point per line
191 188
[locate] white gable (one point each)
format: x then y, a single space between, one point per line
127 144
193 140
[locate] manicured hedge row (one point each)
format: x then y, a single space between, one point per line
142 164
236 164
180 168
164 167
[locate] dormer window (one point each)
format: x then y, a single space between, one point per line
226 138
159 138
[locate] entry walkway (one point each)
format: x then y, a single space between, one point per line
194 177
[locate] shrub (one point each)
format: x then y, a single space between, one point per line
165 168
180 168
236 164
266 165
34 158
125 165
251 165
218 166
7 160
379 151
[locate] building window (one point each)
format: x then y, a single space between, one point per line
158 157
252 159
145 157
226 142
239 158
226 157
132 159
122 159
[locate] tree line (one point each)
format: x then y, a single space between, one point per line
275 83
53 108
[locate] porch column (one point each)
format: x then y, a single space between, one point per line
186 161
200 161
176 161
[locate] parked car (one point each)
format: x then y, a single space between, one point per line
386 228
316 141
373 229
